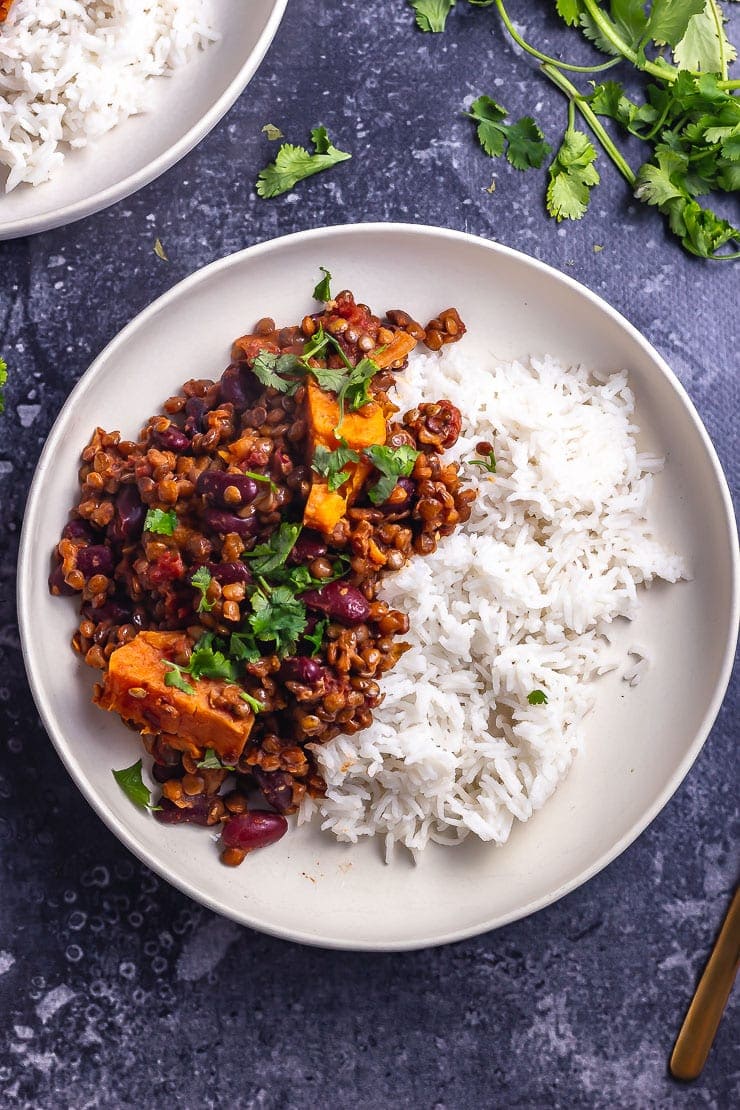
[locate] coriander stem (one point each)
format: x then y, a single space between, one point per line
720 38
600 132
609 31
546 57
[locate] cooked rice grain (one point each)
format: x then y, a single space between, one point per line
70 71
555 550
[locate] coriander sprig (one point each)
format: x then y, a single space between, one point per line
689 120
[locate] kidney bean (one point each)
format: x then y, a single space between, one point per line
195 411
235 387
301 669
128 518
196 812
256 829
339 601
118 612
229 573
277 788
95 559
78 530
57 586
171 439
219 521
214 483
309 545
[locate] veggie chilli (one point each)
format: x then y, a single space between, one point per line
228 560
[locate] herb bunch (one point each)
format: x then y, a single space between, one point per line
688 116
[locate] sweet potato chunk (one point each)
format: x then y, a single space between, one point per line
134 687
325 507
401 345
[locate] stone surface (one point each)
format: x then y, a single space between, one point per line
117 991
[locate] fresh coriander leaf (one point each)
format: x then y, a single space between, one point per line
269 369
354 391
131 783
295 163
300 578
431 15
569 11
331 380
159 250
173 677
206 661
254 705
162 522
329 464
260 478
488 463
527 148
669 20
279 618
316 638
322 292
523 142
699 47
316 345
273 133
393 463
201 579
537 697
572 176
211 762
655 184
3 382
269 557
242 647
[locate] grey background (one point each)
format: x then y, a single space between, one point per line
116 990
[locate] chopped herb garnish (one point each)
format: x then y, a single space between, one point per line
268 557
278 617
393 463
161 521
329 464
173 677
355 392
537 697
522 142
322 292
261 478
431 15
273 133
208 661
254 705
130 781
488 463
242 646
269 368
160 251
316 638
3 381
294 163
211 762
202 580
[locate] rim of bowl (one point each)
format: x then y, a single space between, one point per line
89 206
77 772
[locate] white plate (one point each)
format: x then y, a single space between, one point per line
185 107
641 741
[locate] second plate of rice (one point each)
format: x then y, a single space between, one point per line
597 559
98 99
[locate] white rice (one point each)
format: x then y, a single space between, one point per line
518 600
71 70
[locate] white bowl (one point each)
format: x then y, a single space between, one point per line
185 107
640 741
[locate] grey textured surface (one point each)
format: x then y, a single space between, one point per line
116 990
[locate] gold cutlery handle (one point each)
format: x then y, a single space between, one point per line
705 1012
